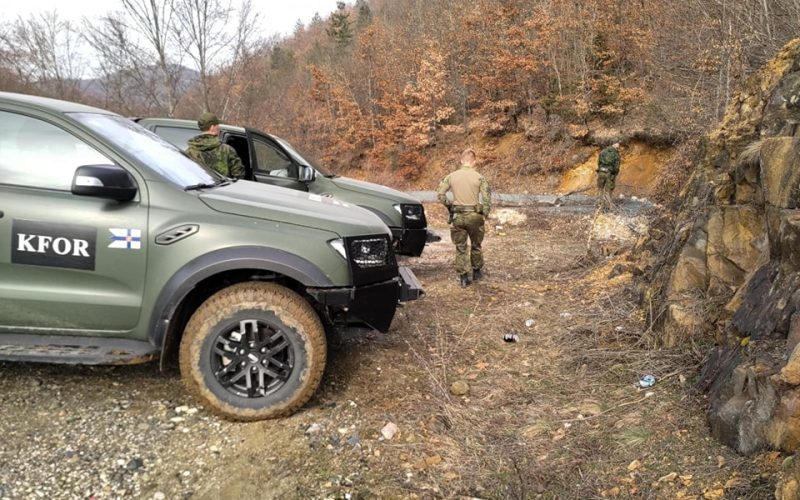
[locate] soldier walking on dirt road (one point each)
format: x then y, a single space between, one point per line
607 170
207 150
471 204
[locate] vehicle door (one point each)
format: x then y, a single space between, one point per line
69 264
272 164
242 146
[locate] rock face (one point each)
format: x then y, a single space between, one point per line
730 266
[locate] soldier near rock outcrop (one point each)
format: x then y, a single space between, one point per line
607 170
207 150
470 207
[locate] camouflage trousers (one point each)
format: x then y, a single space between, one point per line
605 184
468 225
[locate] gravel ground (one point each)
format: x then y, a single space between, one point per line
71 432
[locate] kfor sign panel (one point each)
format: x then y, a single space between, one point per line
54 245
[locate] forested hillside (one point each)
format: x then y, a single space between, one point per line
380 82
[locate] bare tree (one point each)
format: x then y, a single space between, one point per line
130 83
138 55
11 76
44 52
153 20
201 31
245 47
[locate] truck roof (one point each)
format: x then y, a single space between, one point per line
47 103
186 123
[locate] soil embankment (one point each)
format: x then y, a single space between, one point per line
640 171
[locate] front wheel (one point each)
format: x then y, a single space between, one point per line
252 351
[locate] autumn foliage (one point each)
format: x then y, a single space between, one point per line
379 82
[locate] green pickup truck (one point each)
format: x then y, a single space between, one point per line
115 248
269 159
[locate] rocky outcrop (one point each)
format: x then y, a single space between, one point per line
743 402
731 267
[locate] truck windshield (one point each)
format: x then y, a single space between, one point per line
303 160
159 155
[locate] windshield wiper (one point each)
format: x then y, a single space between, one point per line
207 185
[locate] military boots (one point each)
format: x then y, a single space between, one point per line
464 279
477 274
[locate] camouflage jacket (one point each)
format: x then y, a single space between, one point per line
609 160
208 150
468 188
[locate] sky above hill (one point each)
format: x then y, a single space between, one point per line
277 16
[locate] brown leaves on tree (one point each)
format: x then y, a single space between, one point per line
379 82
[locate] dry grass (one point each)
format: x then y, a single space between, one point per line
556 415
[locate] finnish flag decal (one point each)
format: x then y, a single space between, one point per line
130 239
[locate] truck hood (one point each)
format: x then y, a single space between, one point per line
250 199
370 188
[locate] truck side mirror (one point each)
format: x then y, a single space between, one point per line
306 174
104 181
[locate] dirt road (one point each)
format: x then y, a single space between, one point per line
555 415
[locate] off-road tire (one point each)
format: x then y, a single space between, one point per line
277 304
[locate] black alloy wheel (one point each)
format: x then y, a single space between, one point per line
253 359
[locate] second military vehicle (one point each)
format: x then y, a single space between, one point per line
271 160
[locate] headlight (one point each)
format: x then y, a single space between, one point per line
370 252
409 212
338 245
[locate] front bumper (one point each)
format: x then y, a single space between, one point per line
410 288
373 305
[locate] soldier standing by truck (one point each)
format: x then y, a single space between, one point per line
607 170
468 211
207 150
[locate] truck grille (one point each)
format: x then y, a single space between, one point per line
371 259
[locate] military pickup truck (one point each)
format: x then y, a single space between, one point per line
115 248
269 159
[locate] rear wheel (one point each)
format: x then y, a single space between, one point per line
253 350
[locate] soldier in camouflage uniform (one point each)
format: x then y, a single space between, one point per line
607 170
207 150
468 210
